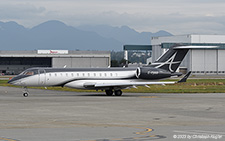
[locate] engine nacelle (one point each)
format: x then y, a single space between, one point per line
152 73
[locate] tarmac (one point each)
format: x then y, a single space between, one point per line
47 115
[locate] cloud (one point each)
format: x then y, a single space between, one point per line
21 12
18 11
176 16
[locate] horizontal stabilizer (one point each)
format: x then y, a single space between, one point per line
184 79
195 47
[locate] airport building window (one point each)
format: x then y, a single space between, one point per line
38 61
17 64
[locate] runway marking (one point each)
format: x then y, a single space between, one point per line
145 136
7 139
145 132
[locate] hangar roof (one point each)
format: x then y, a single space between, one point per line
53 53
189 38
219 45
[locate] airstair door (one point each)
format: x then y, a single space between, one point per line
42 76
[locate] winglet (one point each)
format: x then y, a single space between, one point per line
184 79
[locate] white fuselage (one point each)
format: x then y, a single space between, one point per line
77 79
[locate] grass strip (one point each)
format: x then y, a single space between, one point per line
191 86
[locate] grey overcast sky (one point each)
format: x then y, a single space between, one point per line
175 16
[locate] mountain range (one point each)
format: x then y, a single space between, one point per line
57 35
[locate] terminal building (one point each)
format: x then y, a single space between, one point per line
199 61
14 62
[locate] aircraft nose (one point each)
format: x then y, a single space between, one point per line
14 80
11 80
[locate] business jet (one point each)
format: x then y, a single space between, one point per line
110 80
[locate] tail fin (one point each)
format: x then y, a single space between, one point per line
171 59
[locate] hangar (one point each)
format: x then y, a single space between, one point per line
14 62
199 61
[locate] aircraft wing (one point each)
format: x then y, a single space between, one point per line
99 85
130 84
119 84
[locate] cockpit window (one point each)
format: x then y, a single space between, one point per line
29 73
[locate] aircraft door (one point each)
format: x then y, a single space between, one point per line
42 77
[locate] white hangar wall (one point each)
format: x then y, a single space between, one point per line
221 60
199 61
204 60
80 62
14 62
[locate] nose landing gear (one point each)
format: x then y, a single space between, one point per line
25 92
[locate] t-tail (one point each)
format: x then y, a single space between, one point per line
171 59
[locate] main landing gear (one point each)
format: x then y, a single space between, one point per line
25 92
116 92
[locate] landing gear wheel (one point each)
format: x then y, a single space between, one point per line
118 93
109 92
25 94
